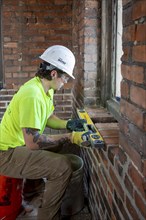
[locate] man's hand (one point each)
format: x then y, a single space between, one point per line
76 124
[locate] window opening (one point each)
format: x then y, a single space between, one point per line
117 50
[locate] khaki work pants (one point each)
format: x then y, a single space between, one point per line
22 162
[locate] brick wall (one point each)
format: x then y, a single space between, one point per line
29 27
133 106
116 175
62 102
86 44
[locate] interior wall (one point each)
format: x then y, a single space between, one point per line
120 191
29 27
87 46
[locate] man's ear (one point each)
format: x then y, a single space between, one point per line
54 74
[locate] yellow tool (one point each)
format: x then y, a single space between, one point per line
91 134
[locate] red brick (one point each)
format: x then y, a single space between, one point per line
128 147
129 33
132 113
117 183
138 137
112 153
133 73
104 159
12 69
144 171
125 2
101 176
18 75
122 156
127 16
121 206
29 68
129 185
138 96
132 209
125 89
141 203
137 179
139 9
139 53
126 53
141 32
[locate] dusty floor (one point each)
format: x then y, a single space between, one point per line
30 212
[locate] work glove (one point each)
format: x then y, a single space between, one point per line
76 124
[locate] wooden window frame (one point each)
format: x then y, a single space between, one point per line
108 57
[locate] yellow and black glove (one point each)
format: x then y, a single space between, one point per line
76 124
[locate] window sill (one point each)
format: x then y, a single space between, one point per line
113 107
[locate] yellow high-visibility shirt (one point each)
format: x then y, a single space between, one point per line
30 107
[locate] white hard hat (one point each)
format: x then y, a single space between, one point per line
60 57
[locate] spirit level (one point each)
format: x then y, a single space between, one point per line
91 133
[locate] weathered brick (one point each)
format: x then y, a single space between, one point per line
126 53
138 96
125 89
132 210
141 203
112 152
129 185
125 2
139 53
133 73
11 45
129 148
139 9
120 205
137 179
127 16
129 34
116 182
133 113
139 138
140 34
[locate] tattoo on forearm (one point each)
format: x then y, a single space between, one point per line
41 140
34 133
